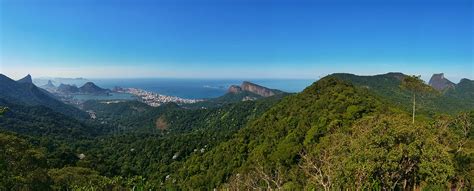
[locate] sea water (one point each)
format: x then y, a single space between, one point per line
191 88
200 88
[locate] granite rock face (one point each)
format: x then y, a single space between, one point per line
257 89
253 88
440 83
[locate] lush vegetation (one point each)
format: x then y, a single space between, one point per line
42 121
135 141
342 132
390 88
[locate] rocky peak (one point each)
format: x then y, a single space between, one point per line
440 83
26 79
50 84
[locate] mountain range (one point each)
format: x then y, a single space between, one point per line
24 92
344 131
87 88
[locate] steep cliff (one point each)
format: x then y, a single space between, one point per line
440 83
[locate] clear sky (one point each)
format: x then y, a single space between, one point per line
235 39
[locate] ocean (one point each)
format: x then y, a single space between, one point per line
187 88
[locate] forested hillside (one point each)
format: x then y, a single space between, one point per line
334 135
134 145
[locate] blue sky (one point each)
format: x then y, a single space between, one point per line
235 39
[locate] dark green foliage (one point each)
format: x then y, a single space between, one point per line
128 115
275 139
22 167
338 122
161 154
229 98
42 121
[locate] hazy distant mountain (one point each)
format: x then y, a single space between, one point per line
49 86
87 88
440 83
30 95
91 88
26 79
71 81
67 89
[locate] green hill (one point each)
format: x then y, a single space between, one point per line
279 134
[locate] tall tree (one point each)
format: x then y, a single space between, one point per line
416 86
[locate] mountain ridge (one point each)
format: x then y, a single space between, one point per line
26 79
87 88
30 94
388 86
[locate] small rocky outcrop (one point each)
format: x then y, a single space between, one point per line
234 89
